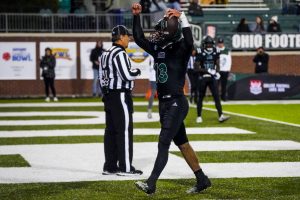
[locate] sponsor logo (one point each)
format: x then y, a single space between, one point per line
6 56
136 54
255 87
276 87
61 53
17 55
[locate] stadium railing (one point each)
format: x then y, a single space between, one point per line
16 22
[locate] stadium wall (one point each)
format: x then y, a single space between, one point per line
280 63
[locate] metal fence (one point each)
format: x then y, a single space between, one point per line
15 22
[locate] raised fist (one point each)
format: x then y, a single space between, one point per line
136 8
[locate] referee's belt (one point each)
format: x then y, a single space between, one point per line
120 90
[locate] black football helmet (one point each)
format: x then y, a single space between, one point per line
167 30
208 43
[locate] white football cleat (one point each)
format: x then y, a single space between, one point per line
47 99
55 99
223 118
199 120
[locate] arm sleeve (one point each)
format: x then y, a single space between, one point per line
54 62
138 35
255 59
122 64
91 56
186 31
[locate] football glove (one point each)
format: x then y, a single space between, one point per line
211 71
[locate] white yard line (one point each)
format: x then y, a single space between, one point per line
253 117
84 162
140 103
98 118
137 131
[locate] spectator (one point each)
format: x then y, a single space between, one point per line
243 26
174 4
259 27
47 65
221 1
146 4
195 9
225 67
261 61
274 26
94 58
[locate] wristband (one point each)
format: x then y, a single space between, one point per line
184 20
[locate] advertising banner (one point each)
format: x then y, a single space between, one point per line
138 58
18 61
268 41
86 70
265 87
65 54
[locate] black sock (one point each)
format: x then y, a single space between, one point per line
160 163
199 174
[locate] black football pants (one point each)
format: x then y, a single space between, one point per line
118 136
212 83
172 113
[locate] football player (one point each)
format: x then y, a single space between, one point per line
171 46
206 63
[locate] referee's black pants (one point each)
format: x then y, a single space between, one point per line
118 136
212 83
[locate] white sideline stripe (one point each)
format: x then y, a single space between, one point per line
137 131
84 162
253 117
141 103
99 118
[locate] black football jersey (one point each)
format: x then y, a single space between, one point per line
207 60
170 62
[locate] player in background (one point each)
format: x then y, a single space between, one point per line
207 65
152 84
225 67
171 46
193 77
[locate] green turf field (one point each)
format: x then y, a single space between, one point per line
224 188
282 112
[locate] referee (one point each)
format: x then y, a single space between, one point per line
116 80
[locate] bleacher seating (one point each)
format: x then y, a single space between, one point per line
231 5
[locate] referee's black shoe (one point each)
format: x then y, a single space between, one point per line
110 172
201 185
132 172
143 186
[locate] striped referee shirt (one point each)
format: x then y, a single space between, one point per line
115 71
